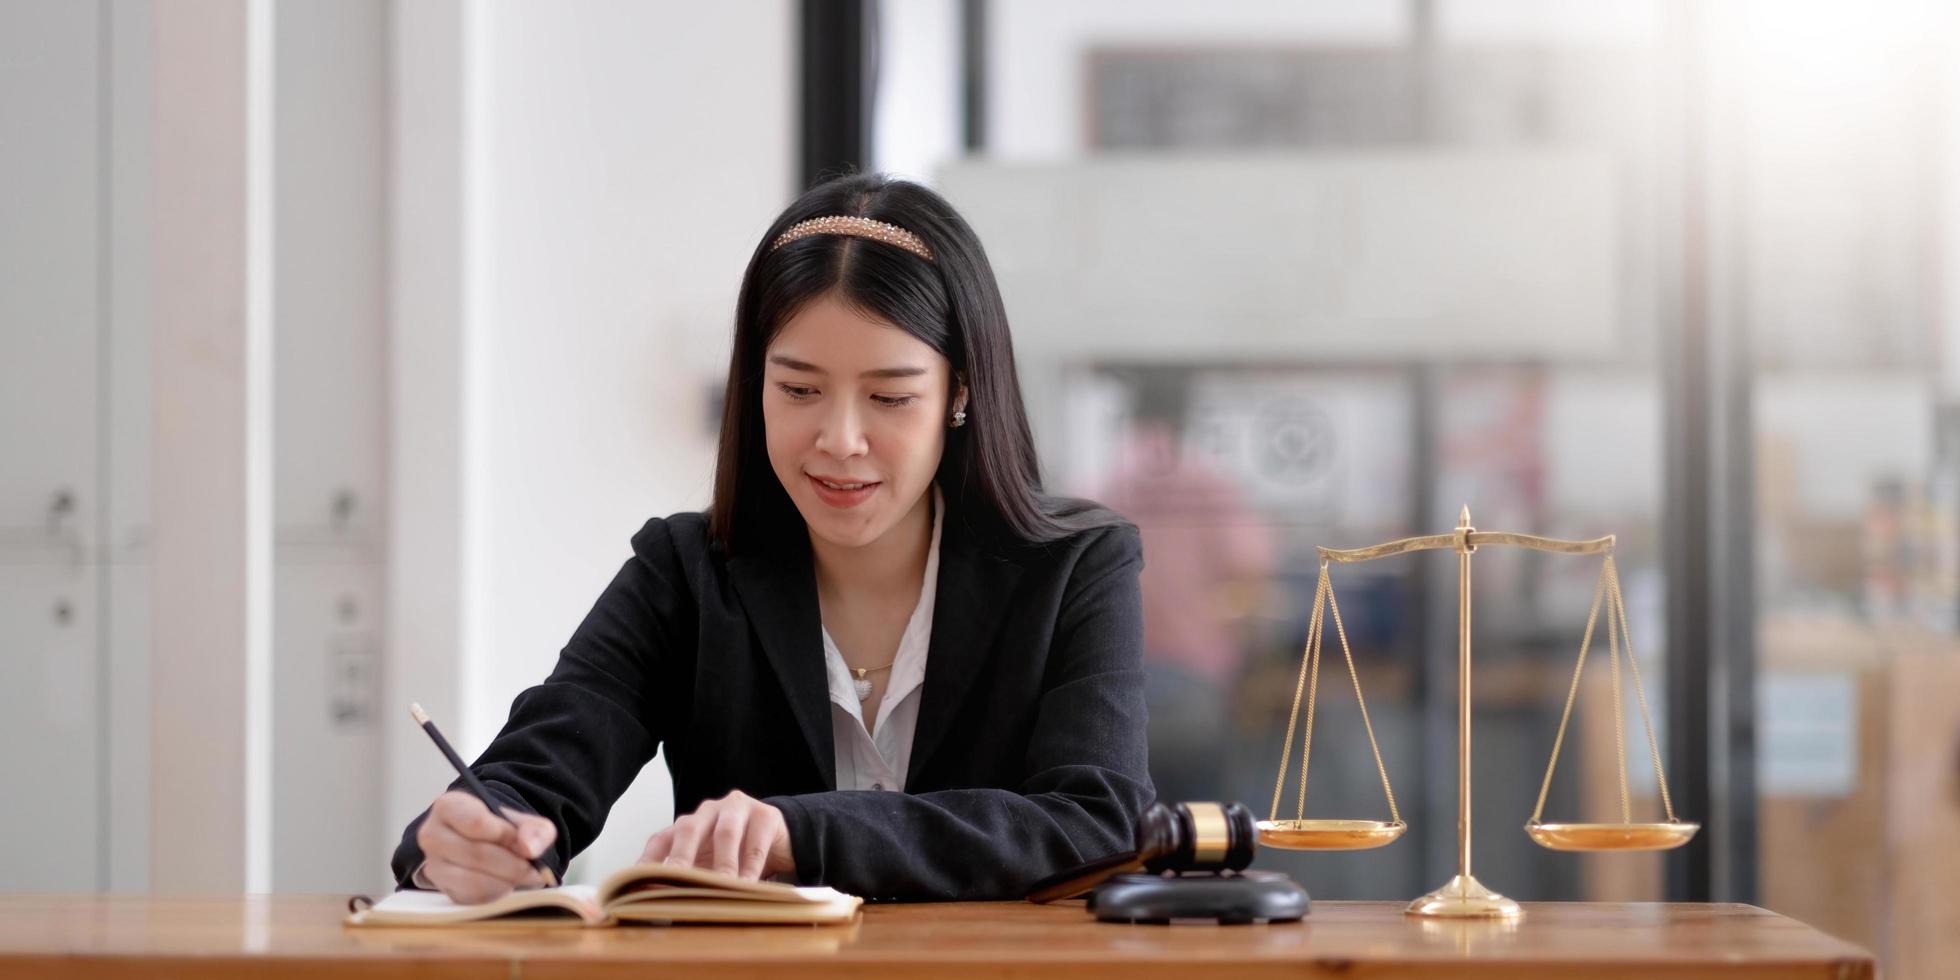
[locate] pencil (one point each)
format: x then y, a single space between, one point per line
470 782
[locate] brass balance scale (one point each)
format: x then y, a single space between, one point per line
1463 896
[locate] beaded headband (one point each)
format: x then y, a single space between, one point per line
877 231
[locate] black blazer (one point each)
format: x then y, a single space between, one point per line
1028 757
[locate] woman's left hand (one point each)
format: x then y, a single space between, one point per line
736 834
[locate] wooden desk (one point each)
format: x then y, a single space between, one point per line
76 937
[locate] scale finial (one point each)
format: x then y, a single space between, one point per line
1463 519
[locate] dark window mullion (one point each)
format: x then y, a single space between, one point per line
835 92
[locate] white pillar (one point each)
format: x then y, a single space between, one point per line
430 358
211 466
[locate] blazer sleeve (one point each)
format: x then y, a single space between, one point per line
1087 774
574 743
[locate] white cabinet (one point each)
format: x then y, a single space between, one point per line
52 320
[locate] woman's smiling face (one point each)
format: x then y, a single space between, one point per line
855 411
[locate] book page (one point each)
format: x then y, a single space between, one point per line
567 904
631 884
842 909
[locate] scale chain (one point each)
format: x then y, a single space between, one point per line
1315 652
1299 687
1640 692
1619 700
1592 620
1335 608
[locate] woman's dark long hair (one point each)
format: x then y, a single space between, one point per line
989 473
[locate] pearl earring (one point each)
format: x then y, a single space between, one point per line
959 418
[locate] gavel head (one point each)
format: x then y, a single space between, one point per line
1195 837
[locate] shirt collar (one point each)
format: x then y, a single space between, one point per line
909 665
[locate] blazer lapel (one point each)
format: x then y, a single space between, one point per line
780 594
968 606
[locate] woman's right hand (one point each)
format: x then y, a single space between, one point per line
473 855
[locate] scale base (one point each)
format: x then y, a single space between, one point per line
1464 897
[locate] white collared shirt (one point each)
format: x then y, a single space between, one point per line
878 763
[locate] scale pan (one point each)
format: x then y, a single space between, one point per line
1611 836
1328 835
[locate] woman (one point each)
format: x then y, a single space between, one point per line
883 660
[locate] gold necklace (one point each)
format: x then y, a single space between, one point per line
863 685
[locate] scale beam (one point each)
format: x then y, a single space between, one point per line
1473 540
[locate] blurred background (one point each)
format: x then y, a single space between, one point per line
345 343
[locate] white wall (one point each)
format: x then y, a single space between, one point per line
1948 245
917 111
1557 21
608 209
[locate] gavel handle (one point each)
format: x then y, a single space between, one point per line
1075 881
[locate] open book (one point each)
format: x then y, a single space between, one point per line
640 893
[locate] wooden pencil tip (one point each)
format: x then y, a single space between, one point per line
415 710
